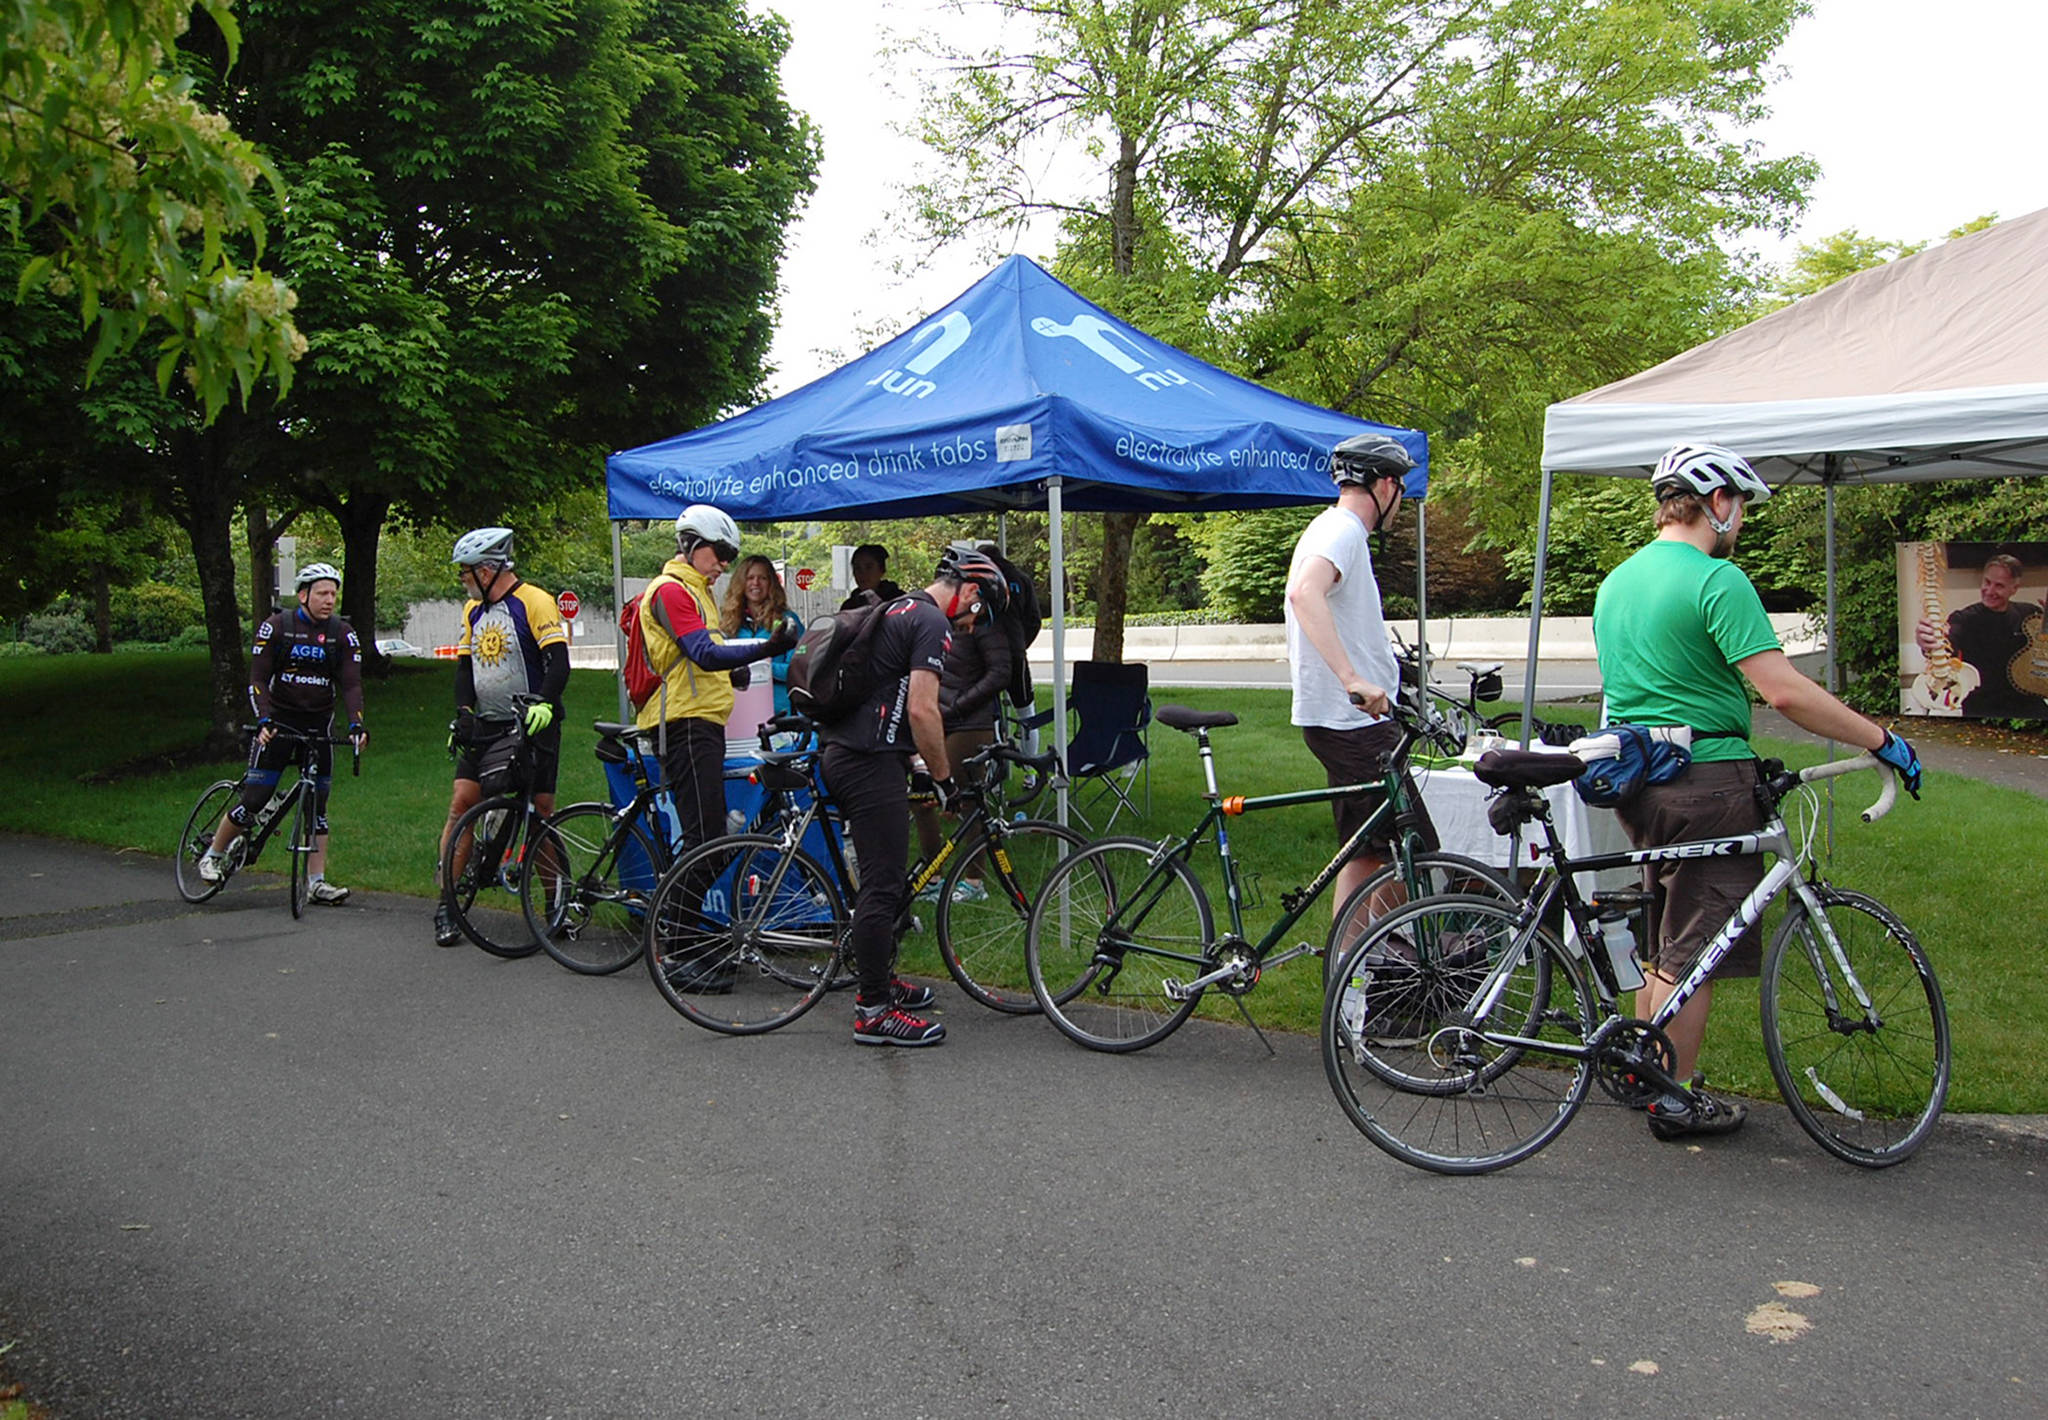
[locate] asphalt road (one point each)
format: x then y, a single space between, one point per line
257 1168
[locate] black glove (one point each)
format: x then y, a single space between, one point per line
947 792
462 729
741 677
784 636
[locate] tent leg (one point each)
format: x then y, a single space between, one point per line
1057 551
1536 613
1421 602
619 604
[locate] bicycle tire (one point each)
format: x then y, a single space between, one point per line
1408 1067
213 803
587 887
982 941
300 846
483 898
1101 978
759 969
1425 875
1870 1095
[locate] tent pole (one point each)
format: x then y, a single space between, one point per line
1536 611
1421 604
1830 471
1057 553
618 636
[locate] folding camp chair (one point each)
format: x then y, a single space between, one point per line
1111 708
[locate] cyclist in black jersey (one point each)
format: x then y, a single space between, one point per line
304 660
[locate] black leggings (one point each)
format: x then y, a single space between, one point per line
693 767
873 793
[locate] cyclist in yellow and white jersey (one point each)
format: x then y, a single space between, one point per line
513 642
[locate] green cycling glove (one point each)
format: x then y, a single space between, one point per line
539 716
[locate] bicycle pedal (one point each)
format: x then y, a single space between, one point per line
1174 990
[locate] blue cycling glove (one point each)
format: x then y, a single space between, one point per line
1899 755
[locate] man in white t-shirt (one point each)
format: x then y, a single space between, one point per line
1341 663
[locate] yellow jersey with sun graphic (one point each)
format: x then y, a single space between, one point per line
503 642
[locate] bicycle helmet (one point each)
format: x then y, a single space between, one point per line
701 523
484 545
964 562
1702 469
1368 458
317 572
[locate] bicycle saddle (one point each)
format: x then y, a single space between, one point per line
787 769
1526 769
1179 717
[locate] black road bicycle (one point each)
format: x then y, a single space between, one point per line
290 807
484 864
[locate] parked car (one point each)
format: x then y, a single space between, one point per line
394 646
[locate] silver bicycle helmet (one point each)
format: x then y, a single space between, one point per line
484 545
1703 469
1368 458
701 523
318 572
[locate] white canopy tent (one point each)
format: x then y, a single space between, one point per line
1933 366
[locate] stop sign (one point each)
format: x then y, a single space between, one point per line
804 577
569 605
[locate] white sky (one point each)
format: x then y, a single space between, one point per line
1922 116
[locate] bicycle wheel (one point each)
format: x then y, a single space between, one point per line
214 802
1425 875
300 845
588 882
744 936
1868 1085
1423 1078
981 939
484 897
1108 934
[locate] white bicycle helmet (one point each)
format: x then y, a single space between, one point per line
701 523
1704 468
318 572
484 545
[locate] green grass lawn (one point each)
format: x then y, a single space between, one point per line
82 759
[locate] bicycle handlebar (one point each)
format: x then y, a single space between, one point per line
1837 767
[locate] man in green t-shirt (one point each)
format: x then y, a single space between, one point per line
1679 630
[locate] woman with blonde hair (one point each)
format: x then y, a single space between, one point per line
755 604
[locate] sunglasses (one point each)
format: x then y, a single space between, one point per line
725 550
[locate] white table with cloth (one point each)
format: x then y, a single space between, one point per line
1457 806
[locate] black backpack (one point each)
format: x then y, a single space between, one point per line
831 671
1022 619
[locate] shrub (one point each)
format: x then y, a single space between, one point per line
153 611
59 631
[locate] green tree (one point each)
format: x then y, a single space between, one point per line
125 192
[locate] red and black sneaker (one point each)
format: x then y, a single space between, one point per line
888 1024
909 995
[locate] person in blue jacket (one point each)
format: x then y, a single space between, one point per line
755 605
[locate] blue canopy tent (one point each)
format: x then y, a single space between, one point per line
1018 394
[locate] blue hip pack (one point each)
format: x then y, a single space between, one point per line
1621 759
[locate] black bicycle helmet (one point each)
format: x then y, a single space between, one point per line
1368 458
964 562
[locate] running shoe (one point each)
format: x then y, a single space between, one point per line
970 891
889 1025
326 893
211 869
446 933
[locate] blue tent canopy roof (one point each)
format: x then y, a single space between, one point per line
1016 381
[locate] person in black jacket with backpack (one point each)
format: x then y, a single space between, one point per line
976 674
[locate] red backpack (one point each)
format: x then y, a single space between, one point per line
642 679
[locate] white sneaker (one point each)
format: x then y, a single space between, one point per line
326 893
210 868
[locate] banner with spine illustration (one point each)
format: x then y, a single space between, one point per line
1973 629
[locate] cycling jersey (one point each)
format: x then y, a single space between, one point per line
302 665
502 642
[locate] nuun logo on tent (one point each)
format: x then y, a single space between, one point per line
951 331
1094 332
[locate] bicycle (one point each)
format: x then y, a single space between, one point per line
1467 1035
487 852
593 867
1122 941
1465 717
748 932
294 805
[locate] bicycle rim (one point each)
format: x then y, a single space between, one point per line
1867 1086
301 847
1112 940
1418 1075
982 939
743 936
484 896
588 885
200 825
